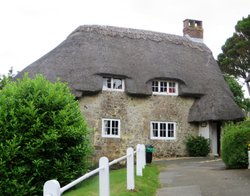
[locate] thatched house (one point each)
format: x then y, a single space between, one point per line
137 86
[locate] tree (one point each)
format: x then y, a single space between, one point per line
237 91
43 136
6 79
235 59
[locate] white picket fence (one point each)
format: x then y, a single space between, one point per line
52 187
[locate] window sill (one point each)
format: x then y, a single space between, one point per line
156 138
116 90
165 94
111 136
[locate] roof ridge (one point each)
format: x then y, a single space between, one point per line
141 34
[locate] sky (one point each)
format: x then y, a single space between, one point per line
31 28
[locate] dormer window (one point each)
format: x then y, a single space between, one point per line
165 87
114 84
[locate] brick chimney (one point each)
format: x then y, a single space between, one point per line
193 29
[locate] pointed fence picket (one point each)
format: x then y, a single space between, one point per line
52 187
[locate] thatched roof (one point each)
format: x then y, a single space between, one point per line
138 56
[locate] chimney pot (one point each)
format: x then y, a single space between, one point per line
193 29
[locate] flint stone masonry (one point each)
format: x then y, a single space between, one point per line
135 114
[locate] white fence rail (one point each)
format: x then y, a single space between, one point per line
52 187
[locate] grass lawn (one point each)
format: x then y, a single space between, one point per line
144 185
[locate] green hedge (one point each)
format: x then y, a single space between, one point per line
234 144
197 146
43 136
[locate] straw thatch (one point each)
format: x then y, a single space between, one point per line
138 56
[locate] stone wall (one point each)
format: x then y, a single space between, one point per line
135 115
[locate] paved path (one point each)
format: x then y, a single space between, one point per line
202 177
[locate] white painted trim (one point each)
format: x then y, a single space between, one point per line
166 93
162 138
112 81
119 128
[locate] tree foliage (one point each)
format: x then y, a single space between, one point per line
43 136
235 59
237 91
6 79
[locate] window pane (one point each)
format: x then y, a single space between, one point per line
163 86
163 130
155 125
107 127
171 134
114 131
107 82
106 123
115 127
170 130
117 84
155 86
155 129
107 131
172 87
115 123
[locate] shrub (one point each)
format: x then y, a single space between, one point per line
234 144
43 136
197 146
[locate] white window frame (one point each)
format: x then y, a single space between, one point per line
158 130
105 87
159 86
111 135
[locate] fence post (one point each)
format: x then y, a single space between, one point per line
130 169
143 155
104 188
138 160
51 188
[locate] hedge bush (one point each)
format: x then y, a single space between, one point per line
43 136
197 146
234 144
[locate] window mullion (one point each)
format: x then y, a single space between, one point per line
167 130
167 88
112 83
111 127
159 129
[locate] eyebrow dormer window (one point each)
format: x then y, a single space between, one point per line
165 87
116 84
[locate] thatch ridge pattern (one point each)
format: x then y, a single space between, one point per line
140 34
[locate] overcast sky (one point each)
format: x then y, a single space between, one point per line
31 28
